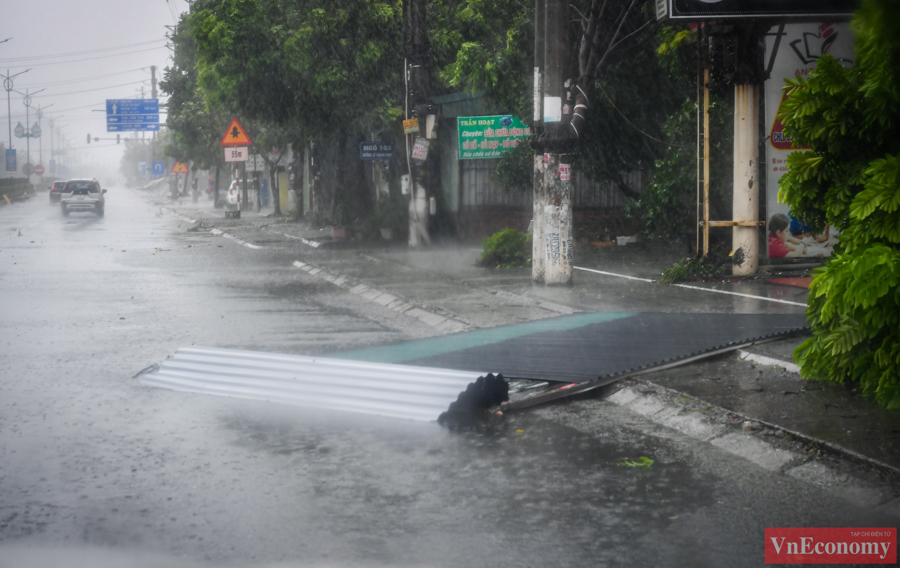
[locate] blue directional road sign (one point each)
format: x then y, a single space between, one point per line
159 168
142 168
126 115
11 164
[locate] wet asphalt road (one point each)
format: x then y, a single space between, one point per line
95 467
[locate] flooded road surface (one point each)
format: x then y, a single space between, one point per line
95 466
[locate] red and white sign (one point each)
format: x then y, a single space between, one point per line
39 170
565 172
831 545
236 154
420 149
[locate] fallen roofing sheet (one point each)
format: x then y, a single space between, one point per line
400 391
587 347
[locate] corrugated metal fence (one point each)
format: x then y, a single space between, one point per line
478 189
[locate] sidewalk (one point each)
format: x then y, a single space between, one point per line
759 383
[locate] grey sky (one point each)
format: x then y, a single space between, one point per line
85 80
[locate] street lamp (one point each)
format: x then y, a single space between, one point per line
8 86
40 115
28 134
55 161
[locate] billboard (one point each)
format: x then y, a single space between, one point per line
717 9
483 137
799 50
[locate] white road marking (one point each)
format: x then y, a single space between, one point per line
763 360
755 297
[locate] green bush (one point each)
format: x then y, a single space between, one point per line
507 249
850 180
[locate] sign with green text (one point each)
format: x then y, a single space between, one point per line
482 137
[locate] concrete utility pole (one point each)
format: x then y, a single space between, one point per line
552 245
419 94
745 208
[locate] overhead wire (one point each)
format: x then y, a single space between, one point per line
80 80
87 90
71 53
86 58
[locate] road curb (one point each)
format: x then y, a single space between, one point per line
438 319
768 445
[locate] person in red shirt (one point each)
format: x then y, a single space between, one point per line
779 247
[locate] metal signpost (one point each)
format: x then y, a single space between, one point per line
235 142
126 115
482 137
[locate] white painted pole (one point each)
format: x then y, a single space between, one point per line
746 176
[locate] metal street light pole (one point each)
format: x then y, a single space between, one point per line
27 102
40 115
8 86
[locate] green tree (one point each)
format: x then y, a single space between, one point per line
850 180
488 47
328 70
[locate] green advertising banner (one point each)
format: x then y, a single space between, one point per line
482 137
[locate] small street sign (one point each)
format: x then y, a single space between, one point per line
236 154
39 170
411 126
180 168
420 149
11 165
376 151
159 168
235 135
256 163
128 115
142 168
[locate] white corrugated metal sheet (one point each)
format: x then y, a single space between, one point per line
400 391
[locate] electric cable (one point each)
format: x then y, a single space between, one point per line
71 53
87 58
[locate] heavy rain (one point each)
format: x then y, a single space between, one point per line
449 283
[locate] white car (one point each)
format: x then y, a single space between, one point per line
82 195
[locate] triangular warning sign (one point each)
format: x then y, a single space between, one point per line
180 168
235 135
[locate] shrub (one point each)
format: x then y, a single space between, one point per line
507 249
850 180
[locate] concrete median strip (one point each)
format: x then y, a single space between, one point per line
443 322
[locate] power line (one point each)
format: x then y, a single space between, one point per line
87 58
71 53
81 80
89 90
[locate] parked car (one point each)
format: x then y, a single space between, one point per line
82 195
56 190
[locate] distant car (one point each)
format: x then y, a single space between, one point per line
82 195
56 190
